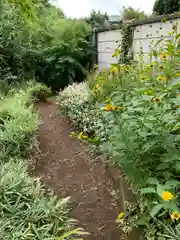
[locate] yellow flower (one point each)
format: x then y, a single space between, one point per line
166 196
107 100
161 67
108 107
113 69
161 78
126 69
148 92
120 216
155 99
80 135
163 19
94 92
177 74
71 134
144 78
170 33
97 86
115 54
100 78
163 56
122 68
84 136
175 216
148 66
116 108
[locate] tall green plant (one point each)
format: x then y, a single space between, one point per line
38 42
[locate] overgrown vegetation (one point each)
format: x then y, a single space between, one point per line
132 114
37 41
26 211
97 19
129 13
165 7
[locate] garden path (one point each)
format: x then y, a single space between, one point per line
67 166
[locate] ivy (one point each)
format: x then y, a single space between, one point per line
126 43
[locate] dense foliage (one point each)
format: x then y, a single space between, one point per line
129 13
37 41
26 210
97 19
166 6
137 113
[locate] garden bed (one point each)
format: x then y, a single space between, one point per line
131 116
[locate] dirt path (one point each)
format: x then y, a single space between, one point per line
66 166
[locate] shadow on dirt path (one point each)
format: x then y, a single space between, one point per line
66 166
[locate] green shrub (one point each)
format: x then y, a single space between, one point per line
53 49
75 90
18 125
38 92
24 211
139 105
145 141
85 116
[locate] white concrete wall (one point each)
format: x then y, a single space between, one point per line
107 42
143 34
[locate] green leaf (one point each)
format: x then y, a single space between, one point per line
143 221
163 166
171 184
178 36
156 209
172 205
177 166
78 231
148 190
160 189
152 181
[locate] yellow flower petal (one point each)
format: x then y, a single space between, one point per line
71 134
121 215
108 107
175 216
161 78
107 100
80 135
116 108
85 136
167 196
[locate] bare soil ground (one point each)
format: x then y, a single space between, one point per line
67 166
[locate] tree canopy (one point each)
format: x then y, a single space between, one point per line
129 13
97 19
37 41
166 6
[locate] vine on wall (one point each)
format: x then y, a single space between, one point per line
126 43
